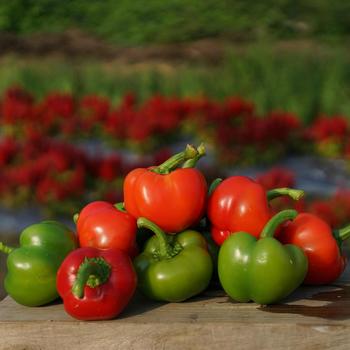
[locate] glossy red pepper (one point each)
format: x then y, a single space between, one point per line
104 225
239 203
321 245
96 284
173 198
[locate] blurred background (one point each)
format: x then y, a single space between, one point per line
91 89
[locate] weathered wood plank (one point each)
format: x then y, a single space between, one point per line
312 318
308 305
112 335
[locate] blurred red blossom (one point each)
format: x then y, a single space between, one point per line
41 164
277 177
335 127
325 210
17 105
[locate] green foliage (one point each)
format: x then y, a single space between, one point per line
301 82
154 21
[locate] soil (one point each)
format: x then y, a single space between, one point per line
75 43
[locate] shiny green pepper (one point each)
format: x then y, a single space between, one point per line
173 267
262 270
32 268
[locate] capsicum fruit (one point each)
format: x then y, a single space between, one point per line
103 225
173 198
173 268
262 270
96 284
32 268
321 245
239 203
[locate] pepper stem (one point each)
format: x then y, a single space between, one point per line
285 191
5 249
165 250
166 167
92 272
213 185
75 218
271 226
120 206
191 163
342 234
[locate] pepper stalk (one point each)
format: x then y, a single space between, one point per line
271 226
166 251
174 161
5 249
92 272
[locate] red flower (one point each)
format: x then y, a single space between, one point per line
277 177
324 210
161 156
44 189
277 126
237 106
129 100
95 107
138 131
17 105
324 128
112 196
59 105
341 205
8 149
109 168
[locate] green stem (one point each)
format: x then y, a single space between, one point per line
191 163
75 218
342 234
5 249
271 226
120 206
92 272
285 191
165 250
213 185
170 164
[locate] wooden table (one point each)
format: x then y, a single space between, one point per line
312 318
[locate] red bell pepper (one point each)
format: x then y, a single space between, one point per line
321 245
104 225
173 198
96 284
240 204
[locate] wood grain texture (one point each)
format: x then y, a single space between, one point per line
311 318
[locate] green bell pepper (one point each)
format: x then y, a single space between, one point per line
173 267
262 270
32 268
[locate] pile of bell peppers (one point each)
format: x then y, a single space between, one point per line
171 238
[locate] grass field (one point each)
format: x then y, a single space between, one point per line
136 23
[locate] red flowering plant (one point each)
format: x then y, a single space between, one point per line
335 210
329 135
255 140
93 112
58 176
17 108
231 128
147 127
281 177
222 125
41 170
